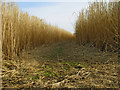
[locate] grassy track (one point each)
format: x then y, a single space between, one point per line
63 65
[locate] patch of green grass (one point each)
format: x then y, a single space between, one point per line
74 64
48 70
47 67
47 73
33 77
65 66
37 76
55 53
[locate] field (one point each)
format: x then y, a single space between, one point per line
36 54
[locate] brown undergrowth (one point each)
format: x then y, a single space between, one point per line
57 66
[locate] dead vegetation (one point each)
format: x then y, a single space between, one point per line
98 25
22 32
76 69
45 62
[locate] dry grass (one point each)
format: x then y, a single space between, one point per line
98 25
74 67
21 31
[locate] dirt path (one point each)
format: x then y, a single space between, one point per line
72 66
